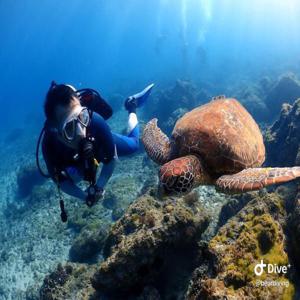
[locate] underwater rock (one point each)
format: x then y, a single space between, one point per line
28 177
140 243
117 213
149 293
58 278
234 205
81 216
110 201
255 105
151 183
175 115
89 243
294 230
186 92
282 139
183 95
120 193
252 96
266 84
287 90
254 234
288 192
71 281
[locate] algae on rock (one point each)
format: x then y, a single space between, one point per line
140 242
89 243
282 139
71 281
254 234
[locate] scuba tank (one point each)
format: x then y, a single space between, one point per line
94 102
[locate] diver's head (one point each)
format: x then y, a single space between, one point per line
64 112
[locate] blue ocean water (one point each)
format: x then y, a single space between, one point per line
118 47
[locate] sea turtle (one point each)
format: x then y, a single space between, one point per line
219 144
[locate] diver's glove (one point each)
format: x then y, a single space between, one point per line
95 194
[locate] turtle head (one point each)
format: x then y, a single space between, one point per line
181 175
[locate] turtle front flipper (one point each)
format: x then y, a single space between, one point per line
255 179
156 143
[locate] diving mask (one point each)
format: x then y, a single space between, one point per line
75 123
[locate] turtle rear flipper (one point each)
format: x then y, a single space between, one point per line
156 143
255 179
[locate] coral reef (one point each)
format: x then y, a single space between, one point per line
122 191
82 216
287 89
58 277
294 230
252 99
254 234
172 102
283 137
139 244
71 281
158 249
265 84
143 245
234 205
252 96
265 98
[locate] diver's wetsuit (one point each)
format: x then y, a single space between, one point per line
60 158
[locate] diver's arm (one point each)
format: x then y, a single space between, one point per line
72 189
103 137
105 140
106 172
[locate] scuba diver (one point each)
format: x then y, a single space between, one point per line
76 139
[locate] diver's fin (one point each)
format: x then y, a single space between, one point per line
255 179
142 96
137 100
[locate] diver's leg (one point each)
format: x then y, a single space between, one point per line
125 145
133 126
129 144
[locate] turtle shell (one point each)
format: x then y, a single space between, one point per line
223 134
